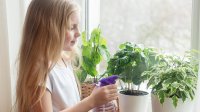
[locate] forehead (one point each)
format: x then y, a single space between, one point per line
75 18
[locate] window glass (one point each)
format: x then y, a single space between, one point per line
162 24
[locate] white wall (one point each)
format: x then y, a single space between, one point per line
5 91
10 36
14 22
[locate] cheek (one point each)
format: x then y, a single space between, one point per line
67 37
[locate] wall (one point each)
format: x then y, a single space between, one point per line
10 36
5 91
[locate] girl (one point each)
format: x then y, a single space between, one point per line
46 82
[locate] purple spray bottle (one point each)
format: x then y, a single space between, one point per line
110 106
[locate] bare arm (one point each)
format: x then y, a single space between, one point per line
98 97
47 102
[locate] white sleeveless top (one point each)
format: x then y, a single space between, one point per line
61 83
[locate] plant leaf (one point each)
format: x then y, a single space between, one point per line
175 101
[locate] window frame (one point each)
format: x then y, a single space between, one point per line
195 31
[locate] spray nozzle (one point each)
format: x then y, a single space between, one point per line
108 80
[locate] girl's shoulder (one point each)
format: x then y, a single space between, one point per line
57 69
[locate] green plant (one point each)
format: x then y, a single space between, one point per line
94 51
130 62
173 77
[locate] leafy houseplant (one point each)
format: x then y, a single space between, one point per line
130 62
173 77
94 51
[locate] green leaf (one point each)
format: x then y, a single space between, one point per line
175 85
167 82
81 74
183 96
172 92
161 96
86 51
103 41
104 52
122 46
84 41
95 36
175 101
89 67
96 57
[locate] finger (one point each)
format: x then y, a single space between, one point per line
113 95
112 91
95 87
112 86
111 98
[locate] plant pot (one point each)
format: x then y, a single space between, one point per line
168 106
133 103
86 89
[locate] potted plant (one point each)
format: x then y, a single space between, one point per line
129 63
94 50
173 81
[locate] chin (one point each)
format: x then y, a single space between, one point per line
68 48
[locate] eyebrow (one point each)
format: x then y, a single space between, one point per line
74 25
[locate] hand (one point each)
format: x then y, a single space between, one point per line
103 95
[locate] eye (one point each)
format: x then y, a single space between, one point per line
73 27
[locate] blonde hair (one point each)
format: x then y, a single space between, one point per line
43 39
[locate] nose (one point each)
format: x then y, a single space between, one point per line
77 34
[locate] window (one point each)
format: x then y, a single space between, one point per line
157 23
170 25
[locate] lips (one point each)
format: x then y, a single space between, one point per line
73 42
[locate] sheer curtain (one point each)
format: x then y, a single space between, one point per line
11 17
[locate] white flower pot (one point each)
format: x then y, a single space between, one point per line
168 106
130 103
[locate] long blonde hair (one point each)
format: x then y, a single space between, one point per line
43 38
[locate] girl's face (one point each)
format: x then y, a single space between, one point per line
73 33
